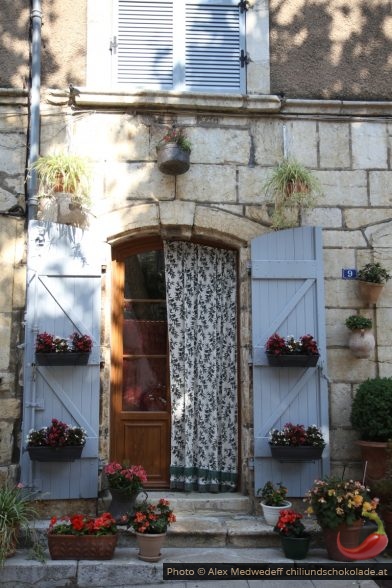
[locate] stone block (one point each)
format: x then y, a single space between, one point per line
343 187
268 142
5 338
350 239
19 287
343 445
337 332
260 214
337 259
369 145
13 158
177 213
216 222
334 145
380 236
217 146
251 182
6 441
128 182
380 188
202 183
384 335
344 367
340 405
355 218
10 409
340 293
322 217
384 361
301 142
132 219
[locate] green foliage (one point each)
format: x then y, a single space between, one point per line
356 321
373 272
291 186
273 495
371 411
177 136
16 513
72 171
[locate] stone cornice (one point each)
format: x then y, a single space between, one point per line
13 96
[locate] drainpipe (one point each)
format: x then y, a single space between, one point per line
35 97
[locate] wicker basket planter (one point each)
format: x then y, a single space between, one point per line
82 546
292 360
61 359
66 453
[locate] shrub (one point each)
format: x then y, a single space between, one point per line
371 412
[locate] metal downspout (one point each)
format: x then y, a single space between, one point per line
35 97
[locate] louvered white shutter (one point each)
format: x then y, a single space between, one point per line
144 43
214 39
172 44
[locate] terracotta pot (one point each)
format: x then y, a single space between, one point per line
82 546
369 291
361 342
271 513
350 536
295 547
150 546
374 460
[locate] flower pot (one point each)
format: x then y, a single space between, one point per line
150 546
66 453
61 359
172 159
292 360
271 513
296 453
374 460
369 291
295 547
82 546
123 503
361 342
350 536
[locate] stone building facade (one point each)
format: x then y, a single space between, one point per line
323 101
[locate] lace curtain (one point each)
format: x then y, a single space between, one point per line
202 321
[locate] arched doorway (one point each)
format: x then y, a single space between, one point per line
176 416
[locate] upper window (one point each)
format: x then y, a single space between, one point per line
194 45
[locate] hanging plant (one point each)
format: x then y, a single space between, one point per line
173 152
292 188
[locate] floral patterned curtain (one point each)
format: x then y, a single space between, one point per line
202 322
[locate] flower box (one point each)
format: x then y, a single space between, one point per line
82 546
62 359
65 453
293 360
296 453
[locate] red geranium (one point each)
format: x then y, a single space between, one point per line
80 524
289 524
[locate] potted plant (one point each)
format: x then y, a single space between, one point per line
273 500
17 511
63 172
295 443
58 442
295 540
337 505
82 537
150 523
371 416
292 187
125 484
372 278
361 341
291 352
54 350
173 152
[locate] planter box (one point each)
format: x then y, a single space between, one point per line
287 453
70 358
82 546
67 453
293 360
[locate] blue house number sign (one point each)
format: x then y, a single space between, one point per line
349 274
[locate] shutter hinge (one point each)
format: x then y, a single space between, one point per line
244 58
249 268
113 46
243 5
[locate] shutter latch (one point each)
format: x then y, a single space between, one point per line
244 58
113 46
243 5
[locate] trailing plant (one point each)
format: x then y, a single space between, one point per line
66 173
178 136
291 186
273 495
356 321
373 272
371 410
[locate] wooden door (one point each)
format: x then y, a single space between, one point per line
288 298
140 419
63 296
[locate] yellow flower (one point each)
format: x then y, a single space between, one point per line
358 500
309 510
369 506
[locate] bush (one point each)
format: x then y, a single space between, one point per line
371 412
356 321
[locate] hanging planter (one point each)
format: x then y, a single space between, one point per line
300 453
371 282
291 352
66 453
293 360
62 359
58 442
51 350
173 153
361 340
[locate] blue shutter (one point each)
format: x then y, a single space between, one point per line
63 296
172 44
288 298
